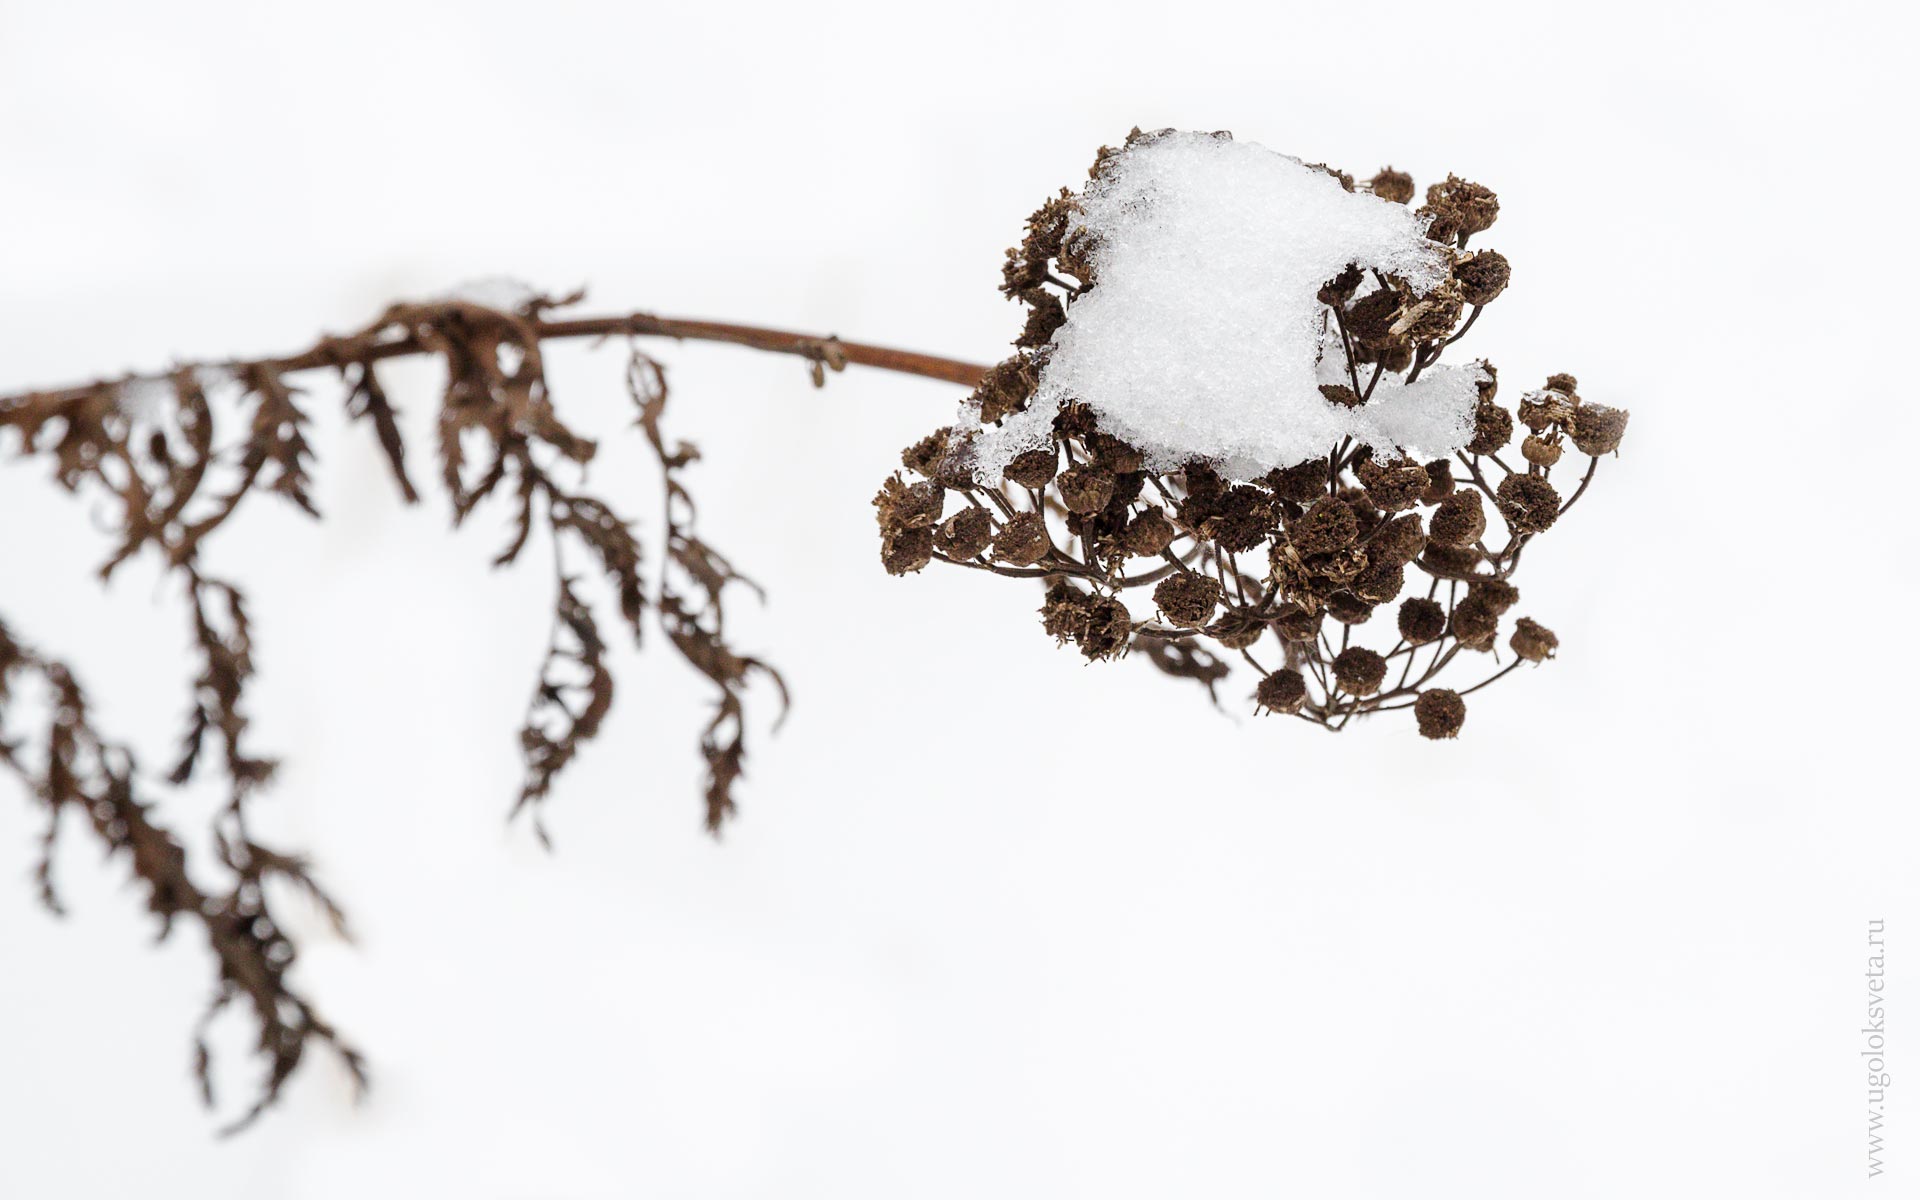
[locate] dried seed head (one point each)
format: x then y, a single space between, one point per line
1529 503
1359 670
924 455
1533 641
1439 481
1302 484
1471 207
1046 314
1450 562
1370 318
1115 455
1597 429
1187 599
1475 624
1439 712
1023 540
1393 185
1393 487
1348 609
1245 517
1497 594
1236 631
1422 620
1006 388
1565 384
901 505
1482 276
1338 290
1541 452
1492 428
1296 624
906 550
1380 582
1085 489
1149 533
966 534
1035 468
1400 542
1458 520
1284 691
1328 526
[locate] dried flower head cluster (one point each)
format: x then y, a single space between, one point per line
1349 580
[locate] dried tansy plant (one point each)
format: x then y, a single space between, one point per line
1226 433
1227 400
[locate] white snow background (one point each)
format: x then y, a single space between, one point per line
1609 943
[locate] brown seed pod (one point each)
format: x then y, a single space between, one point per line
1492 428
1236 631
1393 185
1392 487
901 505
1085 489
1458 520
1439 712
1149 533
1399 541
1565 384
1035 468
1348 609
1529 503
1328 526
1302 484
1541 452
1597 429
966 534
1496 594
1284 691
1359 670
1115 455
1422 620
922 457
1533 641
905 551
1439 481
1006 388
1023 540
1475 624
1187 599
1471 207
1295 624
1451 562
1380 582
1244 519
1482 276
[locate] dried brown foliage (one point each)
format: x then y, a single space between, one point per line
150 445
1292 571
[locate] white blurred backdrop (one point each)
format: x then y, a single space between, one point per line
1608 943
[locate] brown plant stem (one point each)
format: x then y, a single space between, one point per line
827 352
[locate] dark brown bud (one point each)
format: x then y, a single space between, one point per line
1006 388
1492 428
1439 712
1328 526
966 534
1533 641
1482 276
1359 670
1422 620
1085 489
1236 631
1370 318
1529 503
1458 520
1451 562
1023 540
1149 533
1439 481
1284 691
1115 455
1187 599
1034 468
1045 315
1563 383
1597 429
907 550
1245 517
922 457
1338 290
1297 625
1393 185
